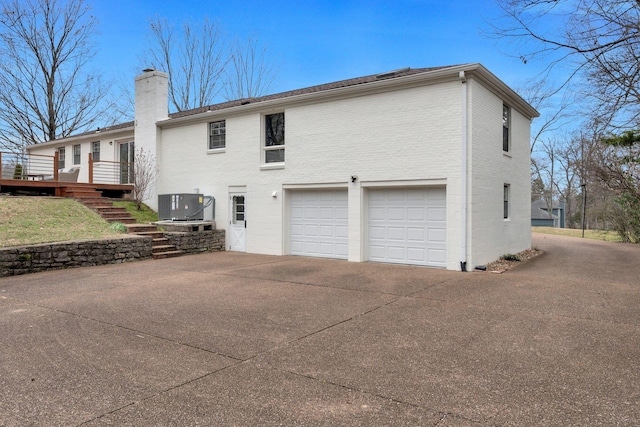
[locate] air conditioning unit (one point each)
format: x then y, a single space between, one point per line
181 207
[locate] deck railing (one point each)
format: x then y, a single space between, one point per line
109 172
39 167
26 166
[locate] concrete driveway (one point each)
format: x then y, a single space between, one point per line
229 339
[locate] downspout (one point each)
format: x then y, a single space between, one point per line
463 177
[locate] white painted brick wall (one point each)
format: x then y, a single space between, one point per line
410 135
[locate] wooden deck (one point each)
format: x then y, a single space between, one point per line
58 188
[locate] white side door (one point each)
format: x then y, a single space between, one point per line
237 222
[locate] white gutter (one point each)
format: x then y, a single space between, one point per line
464 173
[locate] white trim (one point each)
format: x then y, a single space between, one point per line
316 186
405 183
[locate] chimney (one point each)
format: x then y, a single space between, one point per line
151 106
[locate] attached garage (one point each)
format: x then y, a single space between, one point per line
318 223
407 226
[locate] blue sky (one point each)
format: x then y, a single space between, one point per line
317 41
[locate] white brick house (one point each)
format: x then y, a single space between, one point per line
418 166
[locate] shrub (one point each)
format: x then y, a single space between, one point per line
119 227
511 257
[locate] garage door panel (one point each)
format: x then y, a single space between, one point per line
376 213
342 213
437 214
377 233
415 255
438 255
407 226
436 235
415 234
322 229
396 253
416 214
396 214
342 231
396 233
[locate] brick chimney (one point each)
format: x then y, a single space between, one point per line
151 106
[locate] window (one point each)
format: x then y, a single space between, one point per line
238 210
506 123
76 154
274 138
506 201
95 151
61 156
217 135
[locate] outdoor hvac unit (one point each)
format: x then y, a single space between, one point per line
181 207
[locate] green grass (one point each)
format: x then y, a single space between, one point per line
143 216
608 236
32 220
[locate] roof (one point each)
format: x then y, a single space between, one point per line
391 77
308 90
539 210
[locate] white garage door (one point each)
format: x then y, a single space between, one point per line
319 223
408 226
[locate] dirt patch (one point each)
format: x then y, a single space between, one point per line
501 265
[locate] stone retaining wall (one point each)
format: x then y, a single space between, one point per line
55 256
197 241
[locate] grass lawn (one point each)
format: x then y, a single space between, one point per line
608 236
31 220
143 216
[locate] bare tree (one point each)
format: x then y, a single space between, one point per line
595 40
205 68
193 57
251 71
46 91
145 172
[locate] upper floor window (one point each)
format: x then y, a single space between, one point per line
76 154
217 135
274 138
95 151
505 199
61 157
506 123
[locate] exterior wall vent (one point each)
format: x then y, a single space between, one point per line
390 74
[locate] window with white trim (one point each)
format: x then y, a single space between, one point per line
76 154
274 138
61 157
95 151
217 135
505 198
506 124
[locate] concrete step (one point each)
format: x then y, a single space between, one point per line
123 220
169 254
108 209
93 201
83 194
163 249
116 214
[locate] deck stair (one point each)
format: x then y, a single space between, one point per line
161 246
93 199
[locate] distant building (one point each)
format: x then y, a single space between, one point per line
541 217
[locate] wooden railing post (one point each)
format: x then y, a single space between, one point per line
0 165
56 163
90 168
